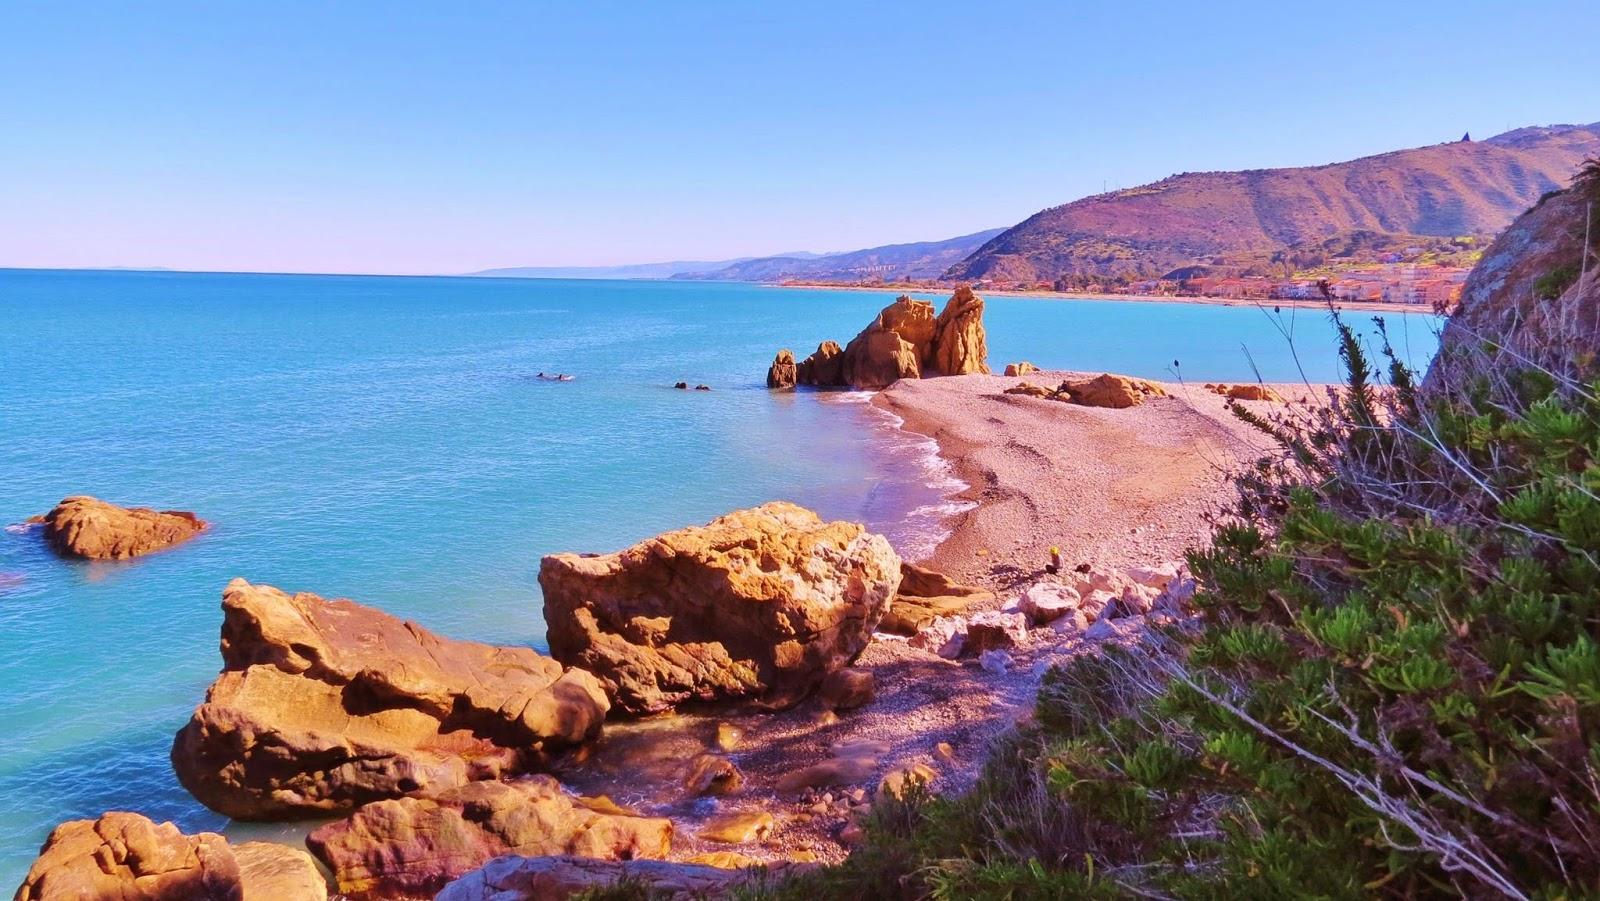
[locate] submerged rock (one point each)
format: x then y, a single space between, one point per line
125 856
411 847
326 705
760 603
92 529
905 340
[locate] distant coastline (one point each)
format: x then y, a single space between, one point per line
1363 305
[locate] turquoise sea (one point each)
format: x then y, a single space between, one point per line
384 439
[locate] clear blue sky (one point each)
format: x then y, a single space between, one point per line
398 137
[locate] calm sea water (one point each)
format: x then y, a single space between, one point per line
383 439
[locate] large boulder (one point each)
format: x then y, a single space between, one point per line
92 529
760 603
905 340
960 346
825 367
924 596
125 856
560 878
324 706
782 373
411 847
1106 390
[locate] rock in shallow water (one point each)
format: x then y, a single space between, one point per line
760 603
410 847
92 529
326 705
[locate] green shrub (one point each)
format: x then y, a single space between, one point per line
1555 282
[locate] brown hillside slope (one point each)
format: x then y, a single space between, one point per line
1464 188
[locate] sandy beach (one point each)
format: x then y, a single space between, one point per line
1112 488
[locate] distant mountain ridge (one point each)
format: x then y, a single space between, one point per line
1464 188
891 262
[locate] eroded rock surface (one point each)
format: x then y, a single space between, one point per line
326 705
92 529
1106 390
411 847
924 596
126 857
782 373
905 340
760 603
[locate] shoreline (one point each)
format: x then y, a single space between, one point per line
1294 303
1111 488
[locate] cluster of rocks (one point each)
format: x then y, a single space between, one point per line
91 529
432 750
1090 605
1106 390
684 386
1020 369
905 341
1245 392
127 857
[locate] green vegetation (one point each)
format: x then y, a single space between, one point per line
1555 282
1394 690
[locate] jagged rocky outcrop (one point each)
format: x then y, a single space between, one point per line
323 705
782 373
760 603
924 596
1527 300
125 856
560 878
905 341
412 847
92 529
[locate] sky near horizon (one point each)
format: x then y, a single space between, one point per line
448 138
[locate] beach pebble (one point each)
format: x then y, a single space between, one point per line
1156 577
894 782
728 736
943 753
991 630
1176 596
995 662
1047 602
944 636
1101 630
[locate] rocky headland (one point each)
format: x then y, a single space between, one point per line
905 341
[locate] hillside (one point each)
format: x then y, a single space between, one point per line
924 259
1465 188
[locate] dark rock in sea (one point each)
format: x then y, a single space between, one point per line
760 603
92 529
326 705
